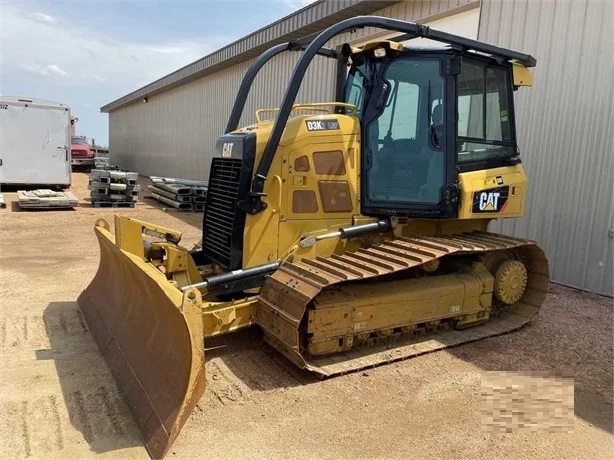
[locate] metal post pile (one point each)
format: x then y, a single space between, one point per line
183 194
46 199
113 188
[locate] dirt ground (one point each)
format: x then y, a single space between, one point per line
57 399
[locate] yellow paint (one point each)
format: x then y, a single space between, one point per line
260 239
415 227
224 317
339 315
131 305
387 44
270 234
128 235
522 75
513 177
177 266
276 232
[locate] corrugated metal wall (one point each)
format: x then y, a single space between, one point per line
409 11
566 131
310 19
174 133
565 122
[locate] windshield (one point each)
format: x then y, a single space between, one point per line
484 118
79 141
405 140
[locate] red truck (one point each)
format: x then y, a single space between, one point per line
81 153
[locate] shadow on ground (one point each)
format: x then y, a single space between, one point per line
241 362
571 337
513 354
16 208
92 400
245 355
94 405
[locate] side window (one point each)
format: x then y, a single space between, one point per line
497 106
471 101
484 129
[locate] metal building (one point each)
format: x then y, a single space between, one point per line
170 126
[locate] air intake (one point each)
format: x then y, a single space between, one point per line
229 182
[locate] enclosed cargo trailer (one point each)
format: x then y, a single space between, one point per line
34 142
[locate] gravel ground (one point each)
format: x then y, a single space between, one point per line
57 399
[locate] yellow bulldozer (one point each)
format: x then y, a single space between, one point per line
353 232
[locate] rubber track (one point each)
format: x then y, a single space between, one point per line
286 294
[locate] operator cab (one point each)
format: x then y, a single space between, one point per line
426 115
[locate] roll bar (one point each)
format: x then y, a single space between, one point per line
253 203
296 45
254 69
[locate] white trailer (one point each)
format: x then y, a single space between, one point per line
34 142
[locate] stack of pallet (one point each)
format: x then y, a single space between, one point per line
183 194
46 199
113 188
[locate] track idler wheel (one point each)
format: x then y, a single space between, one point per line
510 281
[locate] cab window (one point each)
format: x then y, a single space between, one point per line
484 126
406 159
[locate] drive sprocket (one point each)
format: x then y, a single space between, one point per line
510 281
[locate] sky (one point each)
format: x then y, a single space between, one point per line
87 53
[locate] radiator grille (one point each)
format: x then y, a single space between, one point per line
221 211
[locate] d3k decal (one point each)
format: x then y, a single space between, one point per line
322 125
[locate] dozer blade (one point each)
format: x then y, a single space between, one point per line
151 338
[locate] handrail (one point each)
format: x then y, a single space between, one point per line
305 106
281 187
315 106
